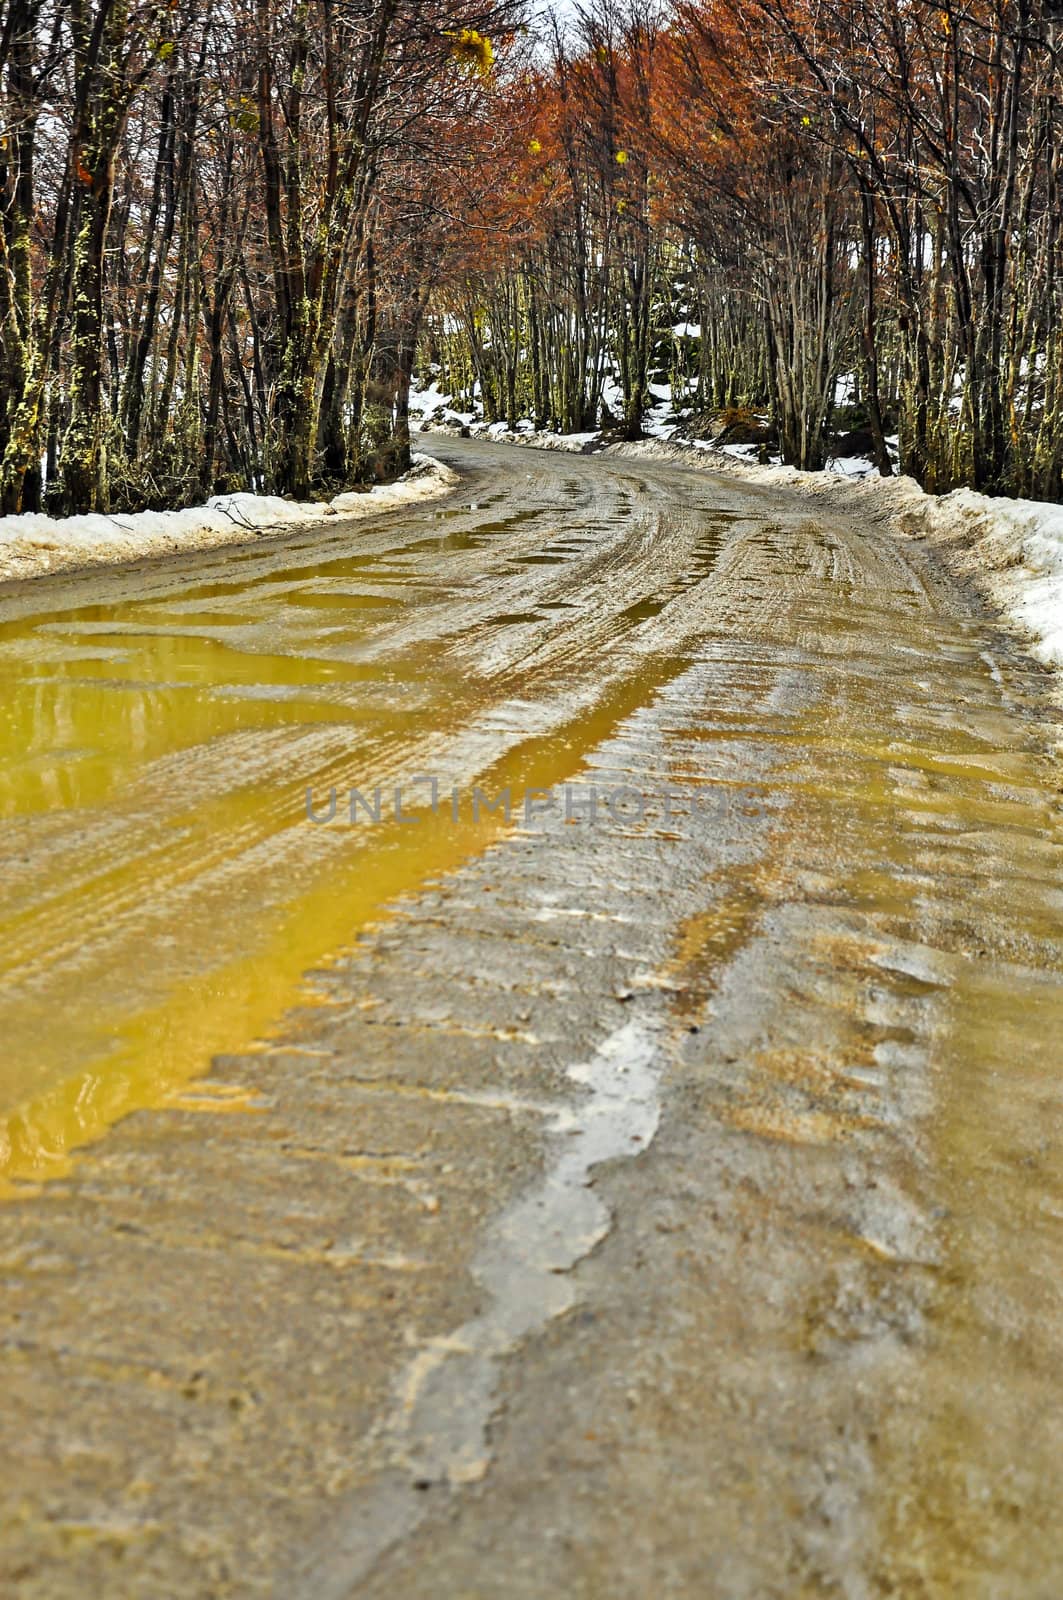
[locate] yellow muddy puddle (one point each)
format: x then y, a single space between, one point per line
164 890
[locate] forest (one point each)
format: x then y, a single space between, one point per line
234 234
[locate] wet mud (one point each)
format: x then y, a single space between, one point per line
665 1201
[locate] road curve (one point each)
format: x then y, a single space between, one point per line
657 1194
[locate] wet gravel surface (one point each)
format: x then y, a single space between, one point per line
666 1205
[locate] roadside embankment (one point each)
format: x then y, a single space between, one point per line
34 545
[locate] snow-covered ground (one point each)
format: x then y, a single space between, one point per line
31 545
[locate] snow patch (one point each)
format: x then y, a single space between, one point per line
852 467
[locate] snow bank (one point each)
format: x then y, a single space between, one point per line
31 545
1014 551
524 433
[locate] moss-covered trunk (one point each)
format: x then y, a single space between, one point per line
83 453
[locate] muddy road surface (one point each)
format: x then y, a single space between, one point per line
656 1192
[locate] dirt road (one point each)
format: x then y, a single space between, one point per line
659 1194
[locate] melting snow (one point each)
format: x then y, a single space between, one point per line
32 544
